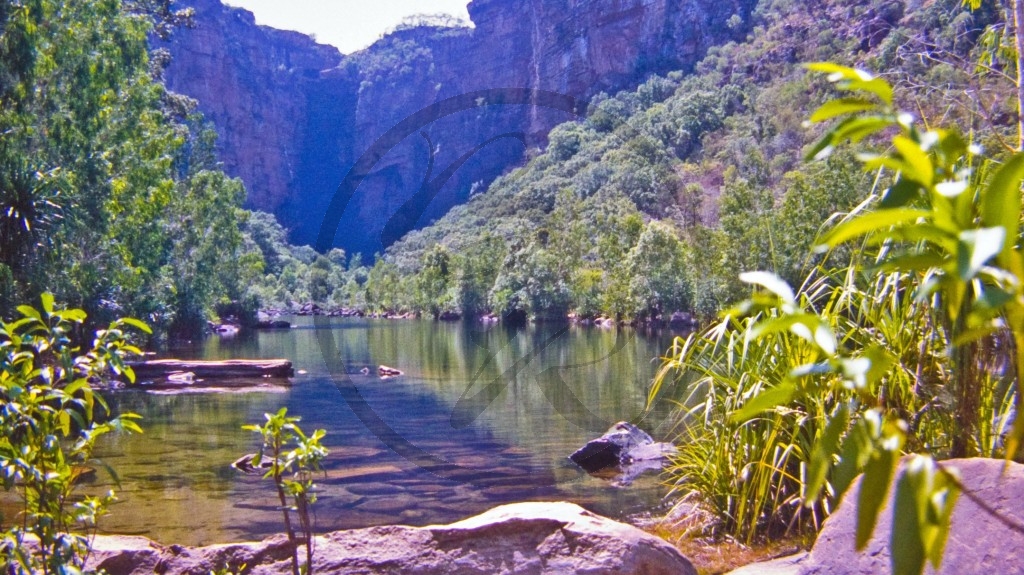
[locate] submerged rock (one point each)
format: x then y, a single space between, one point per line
247 463
622 446
537 538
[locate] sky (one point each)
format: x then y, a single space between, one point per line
350 25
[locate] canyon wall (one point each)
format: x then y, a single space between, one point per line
295 116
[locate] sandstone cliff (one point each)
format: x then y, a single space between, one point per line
294 115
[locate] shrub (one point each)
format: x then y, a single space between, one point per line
50 419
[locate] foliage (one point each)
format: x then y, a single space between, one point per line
892 352
109 195
51 419
715 156
293 458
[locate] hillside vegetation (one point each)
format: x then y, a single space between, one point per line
663 195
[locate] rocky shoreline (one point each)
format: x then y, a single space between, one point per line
563 538
271 318
537 538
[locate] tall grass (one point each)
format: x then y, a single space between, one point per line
751 474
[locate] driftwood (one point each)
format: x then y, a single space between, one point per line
214 369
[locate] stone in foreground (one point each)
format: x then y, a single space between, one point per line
522 538
978 543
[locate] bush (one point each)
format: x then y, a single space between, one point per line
51 419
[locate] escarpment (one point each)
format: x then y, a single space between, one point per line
294 116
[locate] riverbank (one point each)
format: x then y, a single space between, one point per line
676 320
540 537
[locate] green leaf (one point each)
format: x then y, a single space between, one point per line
874 491
821 455
764 401
47 300
839 107
772 283
1001 202
852 79
837 71
858 448
906 543
900 194
854 129
976 248
913 262
72 315
139 325
916 163
941 504
876 86
29 312
869 223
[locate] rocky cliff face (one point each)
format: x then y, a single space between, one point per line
295 116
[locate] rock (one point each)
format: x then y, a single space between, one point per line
977 542
782 566
622 445
245 464
386 372
181 377
449 316
536 538
226 329
310 309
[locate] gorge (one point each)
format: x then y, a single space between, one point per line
294 115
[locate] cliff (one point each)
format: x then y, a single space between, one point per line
294 116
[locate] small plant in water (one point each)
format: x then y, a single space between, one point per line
293 458
48 428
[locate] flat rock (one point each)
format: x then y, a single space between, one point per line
790 565
523 538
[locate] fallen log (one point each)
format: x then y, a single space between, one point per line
213 369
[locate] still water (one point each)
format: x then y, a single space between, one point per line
484 415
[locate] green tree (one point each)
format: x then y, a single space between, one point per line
656 266
434 281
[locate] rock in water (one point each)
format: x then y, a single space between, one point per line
246 464
536 538
620 446
386 372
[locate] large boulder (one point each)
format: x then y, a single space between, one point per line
978 542
621 446
535 538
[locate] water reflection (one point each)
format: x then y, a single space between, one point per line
496 409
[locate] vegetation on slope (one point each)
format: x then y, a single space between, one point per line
700 174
